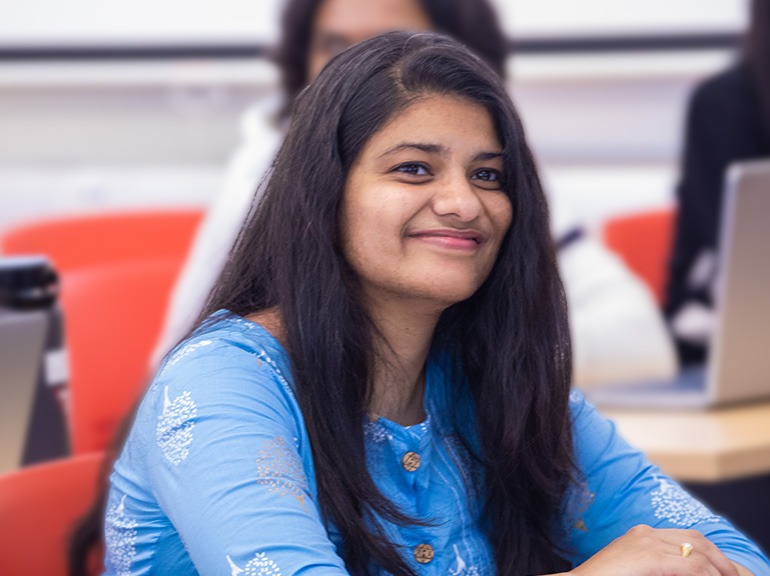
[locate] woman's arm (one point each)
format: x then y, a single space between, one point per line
622 490
221 459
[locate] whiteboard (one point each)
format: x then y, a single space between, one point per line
210 22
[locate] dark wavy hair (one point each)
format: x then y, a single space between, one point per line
470 22
510 340
757 50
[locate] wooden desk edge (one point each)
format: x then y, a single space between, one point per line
743 448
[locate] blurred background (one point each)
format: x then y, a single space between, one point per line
111 104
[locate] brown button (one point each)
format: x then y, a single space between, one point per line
423 553
411 461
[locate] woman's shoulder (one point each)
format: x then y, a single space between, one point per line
228 371
229 350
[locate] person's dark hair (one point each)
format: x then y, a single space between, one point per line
509 340
758 56
470 22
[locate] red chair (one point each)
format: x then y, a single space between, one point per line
117 271
113 318
38 506
644 242
91 240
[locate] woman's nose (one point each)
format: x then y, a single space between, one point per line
456 196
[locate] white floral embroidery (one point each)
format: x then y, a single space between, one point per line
180 354
462 568
234 570
247 323
260 565
575 396
120 537
174 431
673 503
376 432
263 356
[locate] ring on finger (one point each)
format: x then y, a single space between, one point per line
686 549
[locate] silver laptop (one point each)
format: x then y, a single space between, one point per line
738 366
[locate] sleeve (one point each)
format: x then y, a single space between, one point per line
228 463
620 489
219 229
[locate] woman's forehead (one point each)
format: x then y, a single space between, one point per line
437 124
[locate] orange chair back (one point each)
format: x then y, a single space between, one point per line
97 239
644 242
38 506
113 318
116 271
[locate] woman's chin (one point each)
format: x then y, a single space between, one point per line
447 295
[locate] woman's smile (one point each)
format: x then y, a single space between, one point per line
462 240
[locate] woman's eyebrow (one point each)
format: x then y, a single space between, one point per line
430 148
483 156
423 146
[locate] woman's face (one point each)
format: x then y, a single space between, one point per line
338 24
423 213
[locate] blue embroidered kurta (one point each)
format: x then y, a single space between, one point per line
217 477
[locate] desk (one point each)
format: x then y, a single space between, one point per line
700 446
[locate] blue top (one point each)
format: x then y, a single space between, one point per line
217 477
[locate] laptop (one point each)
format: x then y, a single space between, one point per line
738 366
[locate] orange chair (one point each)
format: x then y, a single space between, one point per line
38 506
113 317
644 242
90 240
117 271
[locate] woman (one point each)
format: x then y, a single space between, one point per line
381 383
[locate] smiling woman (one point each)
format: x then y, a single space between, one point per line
380 382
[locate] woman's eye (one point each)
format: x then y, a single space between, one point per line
488 179
413 169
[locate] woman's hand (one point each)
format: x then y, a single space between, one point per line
645 551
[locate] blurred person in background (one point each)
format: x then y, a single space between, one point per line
618 332
728 121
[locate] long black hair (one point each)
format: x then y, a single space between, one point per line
470 22
509 340
758 56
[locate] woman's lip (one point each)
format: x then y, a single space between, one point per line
454 239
